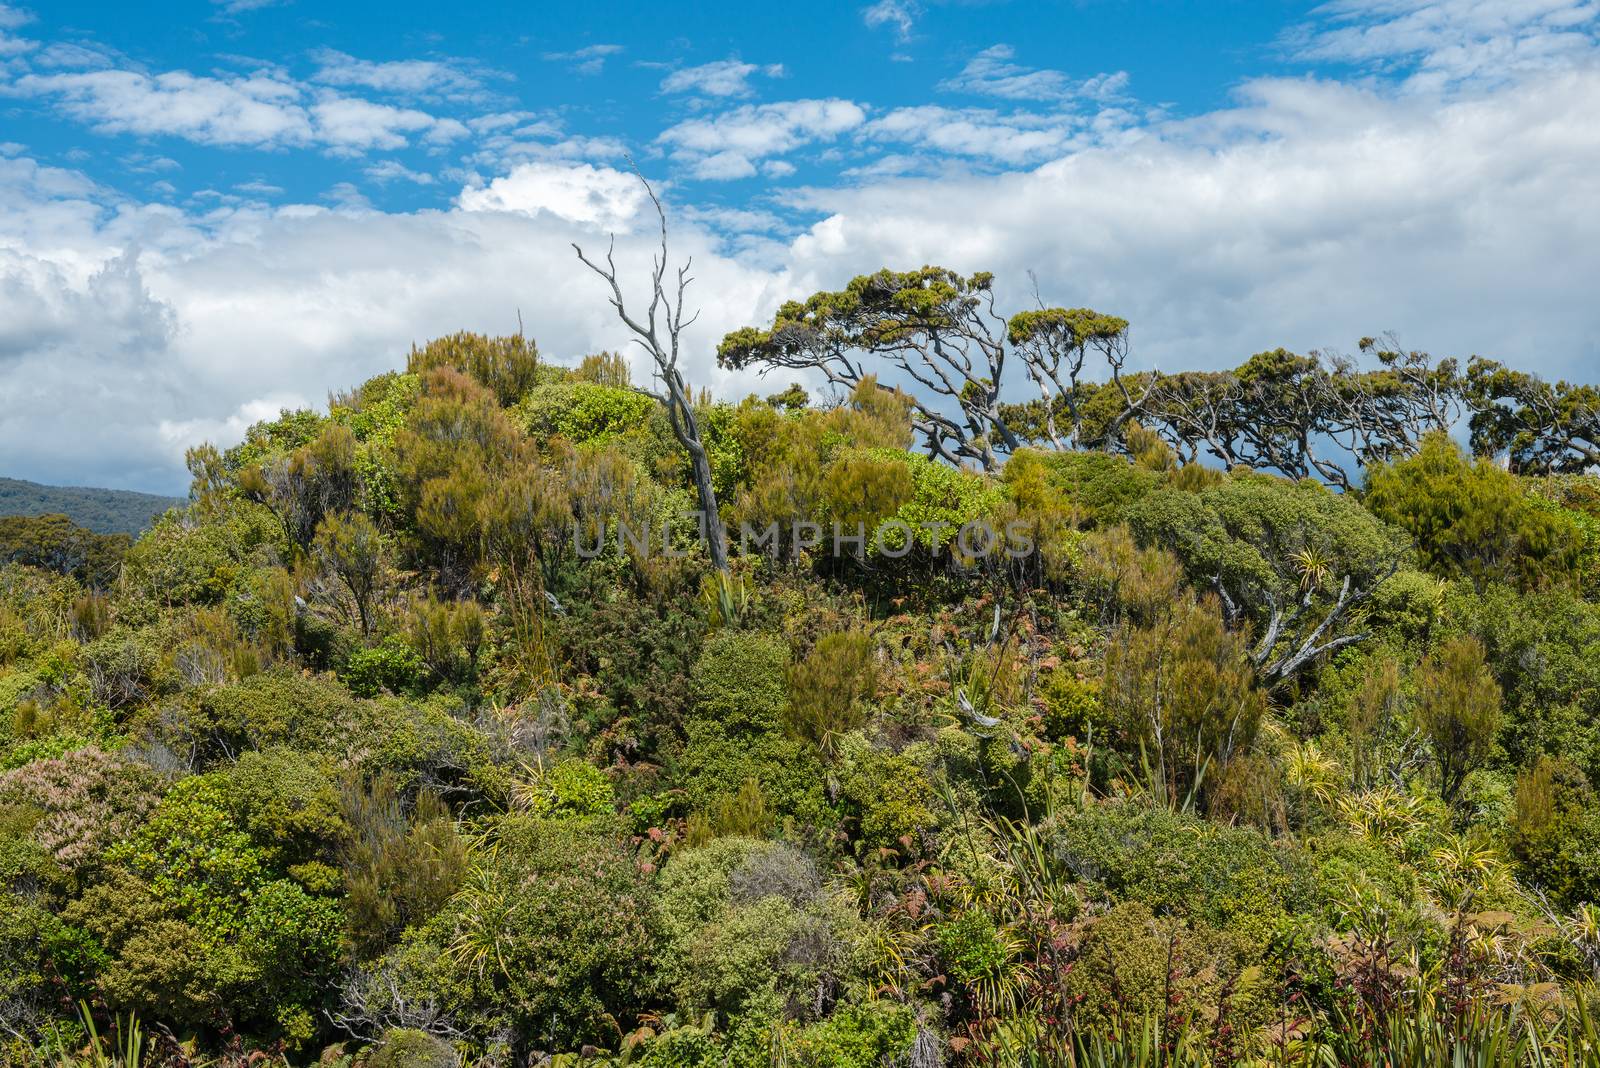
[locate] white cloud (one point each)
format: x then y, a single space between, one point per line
260 110
725 145
239 7
345 197
587 60
599 196
723 77
259 188
422 78
252 110
75 56
1449 42
731 220
386 171
992 73
12 18
113 361
351 124
901 14
723 167
1307 214
979 133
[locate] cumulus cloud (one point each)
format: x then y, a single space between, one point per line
388 170
723 77
600 196
352 124
143 331
1306 216
726 145
253 110
12 18
1306 213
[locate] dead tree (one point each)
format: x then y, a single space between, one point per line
660 335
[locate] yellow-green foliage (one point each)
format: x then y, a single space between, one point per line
1132 963
942 500
1183 690
571 789
749 927
1473 518
888 795
554 929
507 366
828 688
583 411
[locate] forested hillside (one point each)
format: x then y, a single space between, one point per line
104 511
1265 730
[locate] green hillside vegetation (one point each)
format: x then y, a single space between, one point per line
369 756
104 511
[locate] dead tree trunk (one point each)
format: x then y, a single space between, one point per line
665 314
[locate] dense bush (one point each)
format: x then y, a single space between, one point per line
363 753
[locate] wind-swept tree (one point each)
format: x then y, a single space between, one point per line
1305 416
660 334
940 329
1539 427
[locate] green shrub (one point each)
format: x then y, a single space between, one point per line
970 948
1472 518
570 789
1555 832
400 867
1102 486
289 805
747 926
277 707
553 931
409 1048
200 928
1230 878
739 681
1133 965
888 796
714 765
854 1036
829 687
583 411
392 665
507 366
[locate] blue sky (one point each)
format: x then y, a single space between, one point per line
216 209
450 101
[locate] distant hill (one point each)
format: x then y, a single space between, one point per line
104 511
